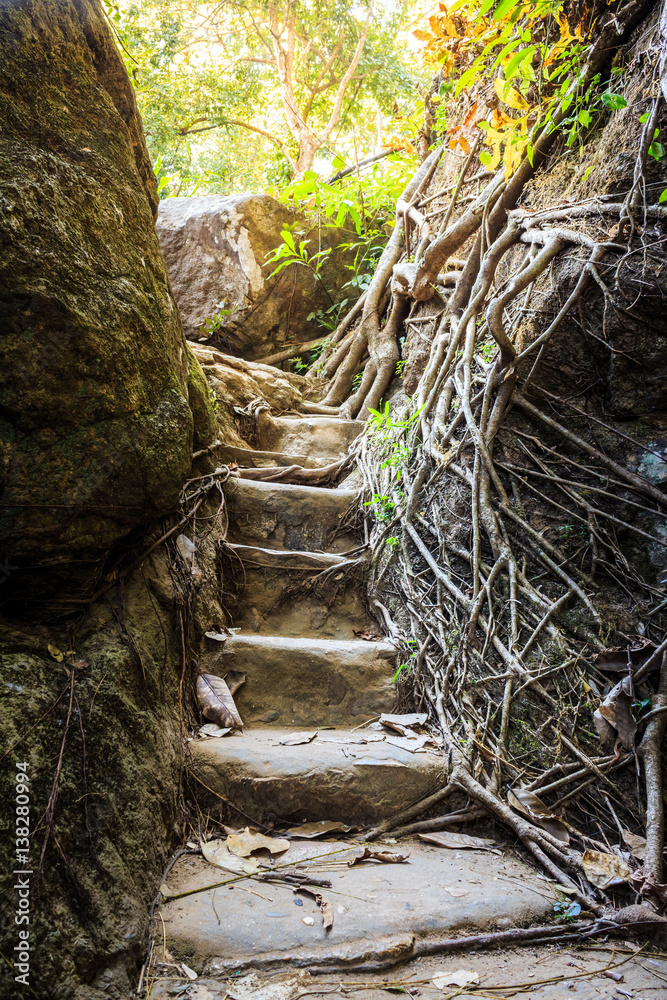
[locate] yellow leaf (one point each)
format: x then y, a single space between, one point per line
495 157
509 95
422 36
464 144
55 653
493 137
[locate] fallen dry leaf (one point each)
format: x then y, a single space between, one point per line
57 654
216 852
603 870
187 971
325 905
619 658
528 803
458 840
296 738
636 844
614 715
308 831
647 886
210 729
401 723
245 843
386 857
234 679
216 702
367 635
460 977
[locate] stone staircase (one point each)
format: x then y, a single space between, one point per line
309 672
305 668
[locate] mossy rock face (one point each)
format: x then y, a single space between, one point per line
116 817
96 426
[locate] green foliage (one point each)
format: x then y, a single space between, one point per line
566 911
532 54
383 506
203 74
292 251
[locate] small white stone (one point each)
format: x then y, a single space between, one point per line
309 921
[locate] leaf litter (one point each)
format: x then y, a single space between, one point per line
308 831
458 977
456 841
531 806
603 870
248 841
216 701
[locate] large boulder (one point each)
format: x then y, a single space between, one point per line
215 248
97 386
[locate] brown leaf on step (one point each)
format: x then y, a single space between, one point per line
210 729
308 831
234 679
325 905
616 657
217 853
245 843
616 710
297 738
458 840
532 807
458 977
603 870
216 702
367 635
636 844
386 857
401 723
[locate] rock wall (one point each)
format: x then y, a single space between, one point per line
96 393
101 405
215 248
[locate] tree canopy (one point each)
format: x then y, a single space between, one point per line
247 94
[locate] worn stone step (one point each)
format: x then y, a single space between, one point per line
282 516
379 911
251 458
309 681
336 776
315 436
281 592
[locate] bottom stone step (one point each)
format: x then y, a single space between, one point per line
336 776
379 909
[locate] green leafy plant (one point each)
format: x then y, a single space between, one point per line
567 911
383 506
292 251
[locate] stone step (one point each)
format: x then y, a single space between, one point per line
308 681
324 437
281 592
379 911
250 458
336 776
282 516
